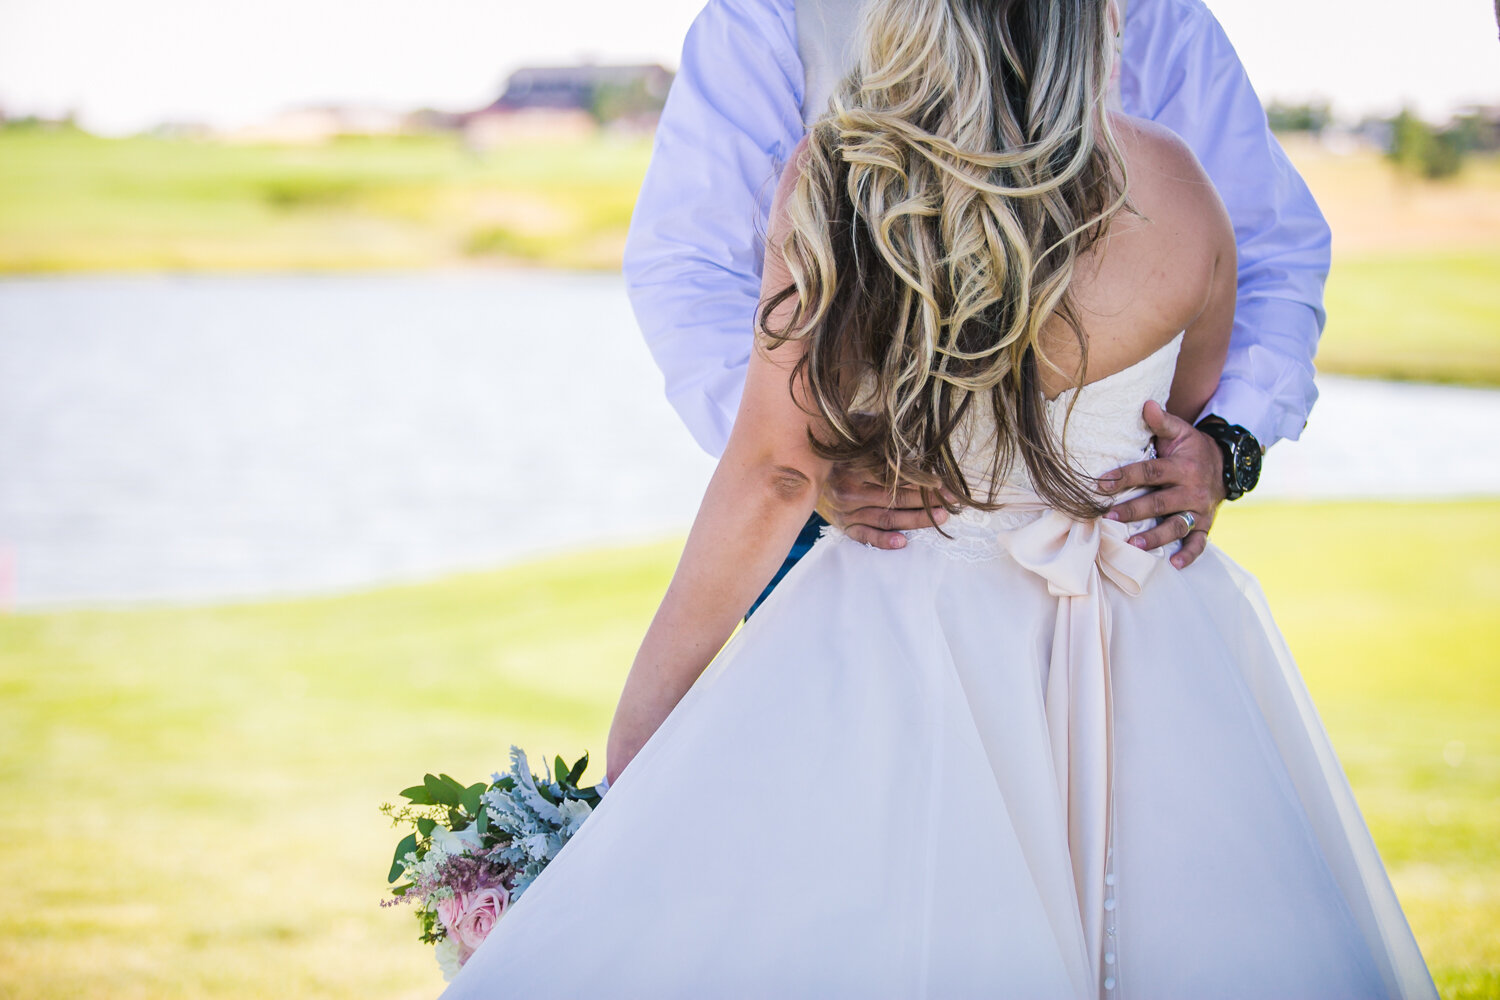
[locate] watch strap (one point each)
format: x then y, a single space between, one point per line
1230 437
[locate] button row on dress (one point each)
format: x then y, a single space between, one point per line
1109 906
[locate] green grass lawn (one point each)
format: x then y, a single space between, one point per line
1430 316
1393 611
192 793
74 202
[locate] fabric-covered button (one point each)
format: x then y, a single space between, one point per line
1109 904
1109 879
1109 983
1109 957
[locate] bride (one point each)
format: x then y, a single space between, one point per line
1018 756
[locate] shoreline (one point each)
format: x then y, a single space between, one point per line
570 557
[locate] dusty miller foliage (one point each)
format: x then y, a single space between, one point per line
536 816
507 831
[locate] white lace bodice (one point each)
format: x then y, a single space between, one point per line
1105 430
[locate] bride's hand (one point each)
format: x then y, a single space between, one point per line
863 509
617 757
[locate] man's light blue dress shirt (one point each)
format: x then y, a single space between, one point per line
733 115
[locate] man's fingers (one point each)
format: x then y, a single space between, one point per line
1163 424
894 519
871 536
1152 472
882 527
1192 548
1160 503
1169 530
851 495
907 497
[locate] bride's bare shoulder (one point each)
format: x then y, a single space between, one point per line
1154 147
1150 275
1166 180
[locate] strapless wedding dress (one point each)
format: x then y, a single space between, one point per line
1028 760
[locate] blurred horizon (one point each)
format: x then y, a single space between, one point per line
123 72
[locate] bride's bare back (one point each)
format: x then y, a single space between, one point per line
1167 269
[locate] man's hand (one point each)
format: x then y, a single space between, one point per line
1187 475
863 509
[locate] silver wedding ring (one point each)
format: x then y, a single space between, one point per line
1187 519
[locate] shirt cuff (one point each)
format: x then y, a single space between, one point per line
1258 411
1267 386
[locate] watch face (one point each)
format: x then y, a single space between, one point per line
1246 464
1242 455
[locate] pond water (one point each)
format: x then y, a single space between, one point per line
194 438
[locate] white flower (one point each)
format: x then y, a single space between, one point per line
574 811
465 841
447 958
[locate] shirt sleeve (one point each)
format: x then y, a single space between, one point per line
693 253
1181 71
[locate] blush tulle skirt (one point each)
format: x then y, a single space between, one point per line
1025 761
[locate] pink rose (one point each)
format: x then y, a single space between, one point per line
470 916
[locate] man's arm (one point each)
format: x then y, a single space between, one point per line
693 255
1181 70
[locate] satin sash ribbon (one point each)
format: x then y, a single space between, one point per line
1075 558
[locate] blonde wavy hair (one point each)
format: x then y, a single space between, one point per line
963 166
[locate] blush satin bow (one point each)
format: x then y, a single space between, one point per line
1075 558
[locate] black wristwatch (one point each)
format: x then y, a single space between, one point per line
1242 454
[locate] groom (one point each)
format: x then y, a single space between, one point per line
755 72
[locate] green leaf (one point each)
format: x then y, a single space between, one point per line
457 820
441 793
425 826
407 845
401 889
418 795
471 796
482 824
577 771
452 782
559 770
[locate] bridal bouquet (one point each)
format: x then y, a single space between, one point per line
475 848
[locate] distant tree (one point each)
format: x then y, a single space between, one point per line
611 100
1410 139
1312 117
1478 130
1445 155
36 123
1434 153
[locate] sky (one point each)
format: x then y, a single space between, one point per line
123 67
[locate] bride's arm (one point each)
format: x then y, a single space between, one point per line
760 496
